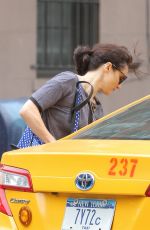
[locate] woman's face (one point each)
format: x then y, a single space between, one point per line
111 78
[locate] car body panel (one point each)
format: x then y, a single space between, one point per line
7 222
132 211
58 169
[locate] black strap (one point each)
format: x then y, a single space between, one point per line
78 107
13 146
90 118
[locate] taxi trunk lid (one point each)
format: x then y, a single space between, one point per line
118 166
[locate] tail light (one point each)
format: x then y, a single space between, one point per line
14 179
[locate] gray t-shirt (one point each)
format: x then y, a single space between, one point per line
55 100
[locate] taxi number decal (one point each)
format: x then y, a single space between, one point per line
122 167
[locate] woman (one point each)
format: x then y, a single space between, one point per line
48 111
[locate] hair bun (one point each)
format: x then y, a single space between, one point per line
82 59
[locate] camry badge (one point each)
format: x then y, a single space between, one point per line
84 181
19 201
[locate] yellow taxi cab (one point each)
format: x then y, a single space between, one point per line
95 179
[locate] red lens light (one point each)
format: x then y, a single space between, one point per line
147 193
4 208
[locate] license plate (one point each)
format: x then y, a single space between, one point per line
88 214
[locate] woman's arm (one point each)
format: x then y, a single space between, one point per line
32 117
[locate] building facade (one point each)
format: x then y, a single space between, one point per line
37 38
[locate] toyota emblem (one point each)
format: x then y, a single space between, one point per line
84 181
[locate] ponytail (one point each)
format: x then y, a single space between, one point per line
82 55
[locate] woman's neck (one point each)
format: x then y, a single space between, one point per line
93 77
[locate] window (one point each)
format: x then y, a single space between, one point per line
134 123
62 25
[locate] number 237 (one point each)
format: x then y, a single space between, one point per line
122 167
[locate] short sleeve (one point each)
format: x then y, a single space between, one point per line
51 92
48 94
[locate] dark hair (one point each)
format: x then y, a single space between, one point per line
86 58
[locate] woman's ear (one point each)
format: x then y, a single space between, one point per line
107 66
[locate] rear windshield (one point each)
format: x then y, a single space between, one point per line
133 123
